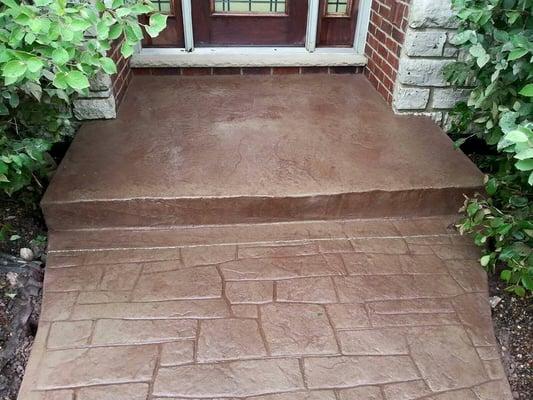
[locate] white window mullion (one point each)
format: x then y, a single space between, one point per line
361 28
186 11
312 25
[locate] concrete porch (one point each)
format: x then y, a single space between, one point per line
262 238
241 149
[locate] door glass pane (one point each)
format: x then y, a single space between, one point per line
163 6
337 7
250 6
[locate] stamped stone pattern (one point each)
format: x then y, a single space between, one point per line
389 310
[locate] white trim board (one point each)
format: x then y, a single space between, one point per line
186 10
247 57
312 25
361 27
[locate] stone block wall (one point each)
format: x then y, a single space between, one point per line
386 33
420 87
105 93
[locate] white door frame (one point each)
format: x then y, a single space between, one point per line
312 25
186 11
309 55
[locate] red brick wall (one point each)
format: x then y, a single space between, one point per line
123 76
386 32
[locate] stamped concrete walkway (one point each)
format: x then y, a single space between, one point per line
390 309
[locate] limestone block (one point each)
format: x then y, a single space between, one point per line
100 108
422 72
437 117
450 51
101 81
100 94
432 13
408 98
424 43
448 97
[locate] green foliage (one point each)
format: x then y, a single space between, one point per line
49 51
496 38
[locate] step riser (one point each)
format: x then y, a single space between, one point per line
214 211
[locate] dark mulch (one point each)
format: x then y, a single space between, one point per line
22 220
20 290
513 325
20 305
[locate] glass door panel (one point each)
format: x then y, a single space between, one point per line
172 35
336 26
249 22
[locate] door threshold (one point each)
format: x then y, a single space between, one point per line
247 57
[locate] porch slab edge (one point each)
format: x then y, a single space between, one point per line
247 57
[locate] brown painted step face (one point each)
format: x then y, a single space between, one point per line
235 149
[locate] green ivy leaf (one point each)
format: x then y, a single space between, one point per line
505 275
491 187
516 136
79 25
158 21
482 60
525 165
463 37
527 90
77 80
10 3
527 281
518 201
60 56
34 64
484 261
14 69
472 209
123 11
526 153
102 30
516 54
126 50
508 121
108 65
141 9
115 31
477 50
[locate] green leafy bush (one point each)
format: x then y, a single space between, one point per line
496 38
49 51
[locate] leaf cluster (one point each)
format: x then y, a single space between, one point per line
496 41
50 50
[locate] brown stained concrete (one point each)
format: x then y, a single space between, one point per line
237 149
389 309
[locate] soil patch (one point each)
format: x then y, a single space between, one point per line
20 305
23 223
513 325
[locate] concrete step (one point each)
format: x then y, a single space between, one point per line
248 149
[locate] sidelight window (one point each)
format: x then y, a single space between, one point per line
338 8
163 6
250 6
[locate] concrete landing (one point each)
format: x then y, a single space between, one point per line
241 149
386 309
